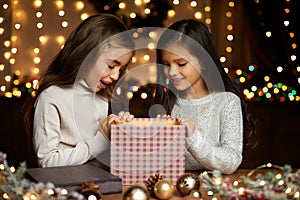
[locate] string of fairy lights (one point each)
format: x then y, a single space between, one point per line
22 62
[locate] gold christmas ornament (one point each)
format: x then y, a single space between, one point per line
164 189
186 183
151 181
136 192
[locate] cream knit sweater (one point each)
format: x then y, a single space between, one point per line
218 140
66 122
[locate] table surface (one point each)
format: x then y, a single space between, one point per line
176 196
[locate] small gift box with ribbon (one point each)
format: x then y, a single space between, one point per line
148 146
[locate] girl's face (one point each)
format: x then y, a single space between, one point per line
107 67
183 70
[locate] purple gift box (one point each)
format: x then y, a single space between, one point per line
148 146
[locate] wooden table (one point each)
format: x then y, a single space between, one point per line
176 196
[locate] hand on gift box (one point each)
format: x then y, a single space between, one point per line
189 123
105 125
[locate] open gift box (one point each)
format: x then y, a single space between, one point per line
148 146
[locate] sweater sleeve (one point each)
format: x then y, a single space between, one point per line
47 136
226 154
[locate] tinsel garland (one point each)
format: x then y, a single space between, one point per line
271 185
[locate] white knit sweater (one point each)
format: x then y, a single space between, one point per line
218 139
66 122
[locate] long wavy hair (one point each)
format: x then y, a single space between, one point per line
188 30
86 41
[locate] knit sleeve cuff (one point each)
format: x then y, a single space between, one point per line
199 147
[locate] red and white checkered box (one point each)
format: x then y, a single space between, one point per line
148 146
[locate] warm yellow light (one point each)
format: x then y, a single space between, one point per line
18 72
18 14
231 4
226 69
238 72
9 95
146 57
133 59
14 50
129 95
36 50
12 61
147 11
37 3
16 82
13 38
276 90
268 34
61 13
132 15
208 21
135 35
267 78
79 5
228 49
287 10
3 88
207 9
39 25
7 55
228 14
6 43
193 3
43 39
17 26
292 35
83 16
36 70
1 67
1 31
59 4
144 95
223 59
64 24
60 39
38 14
171 13
122 5
28 85
229 27
35 84
1 20
294 45
5 6
153 34
270 85
138 2
36 60
151 46
7 78
198 15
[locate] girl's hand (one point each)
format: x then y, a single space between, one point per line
123 117
190 125
105 125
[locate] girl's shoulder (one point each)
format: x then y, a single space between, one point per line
53 94
225 96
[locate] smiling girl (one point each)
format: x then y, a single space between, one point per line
196 89
69 119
